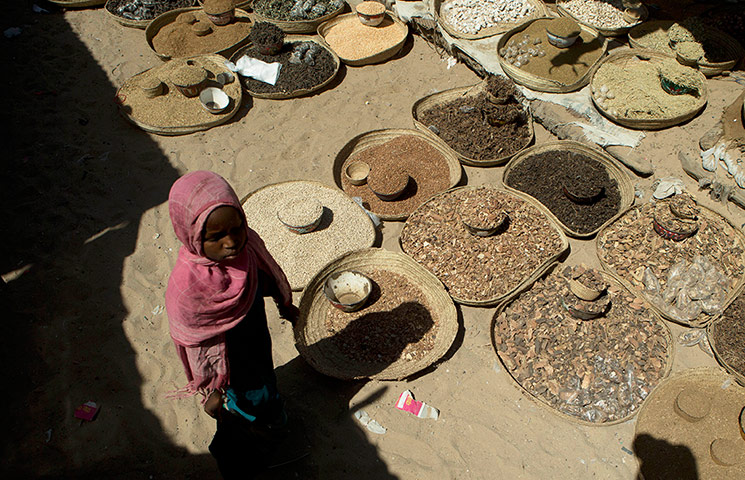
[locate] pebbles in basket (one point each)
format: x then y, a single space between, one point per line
296 10
593 360
471 16
603 13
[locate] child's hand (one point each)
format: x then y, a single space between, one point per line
289 313
213 404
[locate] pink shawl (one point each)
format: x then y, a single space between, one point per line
204 299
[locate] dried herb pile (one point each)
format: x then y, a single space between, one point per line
598 370
479 126
729 335
544 175
480 268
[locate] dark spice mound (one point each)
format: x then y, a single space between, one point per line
292 10
729 335
544 175
292 77
265 33
135 10
480 127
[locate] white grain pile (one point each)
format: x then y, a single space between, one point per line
599 13
471 16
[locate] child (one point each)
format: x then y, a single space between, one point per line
217 320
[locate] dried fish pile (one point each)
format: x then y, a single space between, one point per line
471 16
396 324
599 13
632 248
480 268
598 370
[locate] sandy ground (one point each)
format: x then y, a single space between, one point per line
91 246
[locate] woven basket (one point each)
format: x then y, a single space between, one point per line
311 335
302 91
216 65
238 3
710 330
297 26
612 279
162 20
636 34
531 276
447 96
606 32
379 57
622 58
378 137
677 448
730 46
540 11
542 84
615 172
702 320
77 3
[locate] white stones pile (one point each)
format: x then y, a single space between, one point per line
471 16
519 53
599 13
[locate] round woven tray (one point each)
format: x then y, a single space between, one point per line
301 91
672 448
606 32
379 57
297 26
542 84
314 343
637 33
702 320
214 64
302 256
530 277
612 279
628 56
378 137
710 331
161 21
446 96
727 44
77 3
615 172
141 24
540 11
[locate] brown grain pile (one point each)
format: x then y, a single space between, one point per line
352 40
178 39
598 370
427 168
480 269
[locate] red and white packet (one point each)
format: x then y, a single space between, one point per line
407 403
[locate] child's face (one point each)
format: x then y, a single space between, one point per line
224 234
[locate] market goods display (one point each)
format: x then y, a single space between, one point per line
343 227
699 45
652 35
687 264
474 19
484 124
188 31
697 412
307 66
138 13
595 361
77 3
727 337
297 16
609 17
479 270
165 99
424 166
407 323
358 44
530 59
583 187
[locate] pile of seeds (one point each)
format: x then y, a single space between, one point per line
296 10
266 34
654 36
471 16
315 66
480 126
599 13
597 370
178 39
729 335
693 39
630 246
352 40
545 176
396 323
139 10
427 168
480 268
563 65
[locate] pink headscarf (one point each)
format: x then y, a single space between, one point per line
204 298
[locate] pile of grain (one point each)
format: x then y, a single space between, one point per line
352 40
178 39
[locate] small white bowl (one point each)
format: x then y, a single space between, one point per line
347 290
214 100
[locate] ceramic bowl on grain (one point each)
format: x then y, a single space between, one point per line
201 29
189 79
388 186
562 32
214 100
481 229
300 215
347 290
584 292
220 12
356 172
152 87
371 13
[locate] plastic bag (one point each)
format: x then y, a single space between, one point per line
651 283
